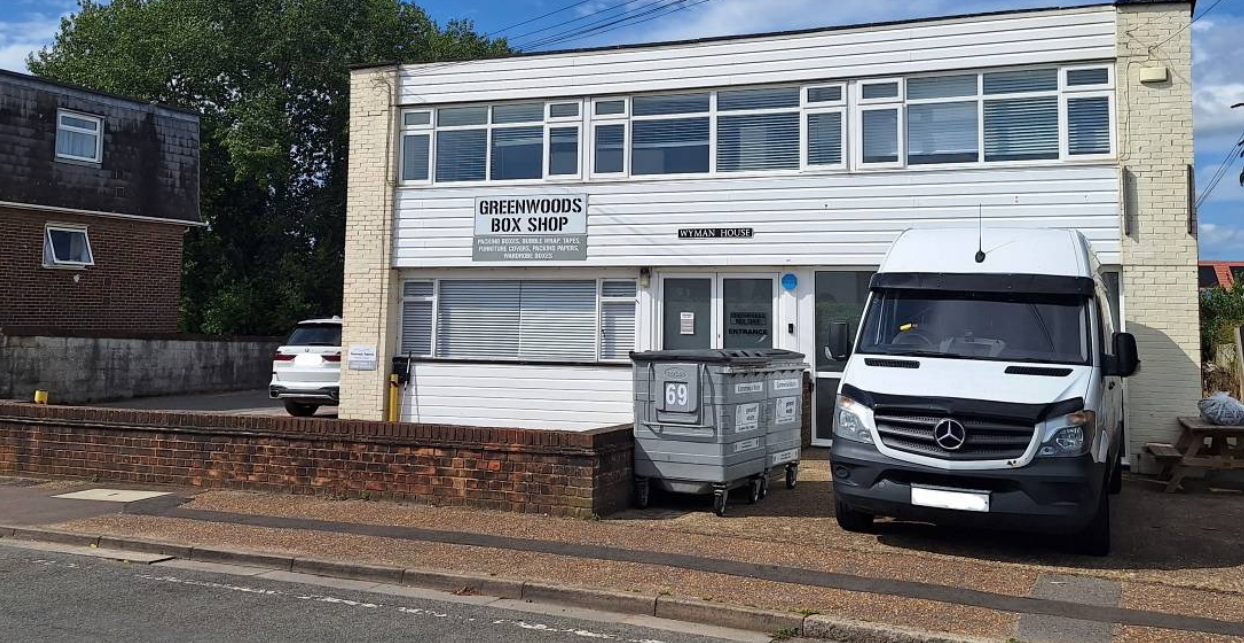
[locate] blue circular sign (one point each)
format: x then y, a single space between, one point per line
789 281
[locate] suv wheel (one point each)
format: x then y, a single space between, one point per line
1094 539
300 409
852 520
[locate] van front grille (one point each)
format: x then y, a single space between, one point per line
986 439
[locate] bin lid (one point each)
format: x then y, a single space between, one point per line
737 356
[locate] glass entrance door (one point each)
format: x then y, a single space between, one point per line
711 310
840 296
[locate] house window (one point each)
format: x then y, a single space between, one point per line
538 320
1088 100
664 140
941 119
65 245
880 122
416 146
79 137
758 129
1021 115
825 126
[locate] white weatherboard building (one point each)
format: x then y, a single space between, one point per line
518 225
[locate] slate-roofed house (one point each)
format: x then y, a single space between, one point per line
96 195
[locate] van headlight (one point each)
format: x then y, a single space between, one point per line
853 421
1069 435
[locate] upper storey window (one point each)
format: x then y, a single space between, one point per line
79 137
961 119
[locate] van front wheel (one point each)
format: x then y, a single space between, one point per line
1094 539
852 520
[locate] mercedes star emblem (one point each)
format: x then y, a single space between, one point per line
950 434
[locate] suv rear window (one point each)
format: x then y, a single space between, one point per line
315 335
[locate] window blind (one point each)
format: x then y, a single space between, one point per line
617 329
1026 80
455 116
766 98
563 110
417 289
1021 129
517 153
1094 76
417 328
825 138
1088 125
879 90
758 142
610 145
941 133
519 113
461 154
673 146
557 320
941 86
829 94
669 104
478 319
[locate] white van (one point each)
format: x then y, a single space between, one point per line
983 386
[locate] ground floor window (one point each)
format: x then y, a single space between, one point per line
840 296
536 320
66 245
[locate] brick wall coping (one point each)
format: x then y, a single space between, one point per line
535 441
48 331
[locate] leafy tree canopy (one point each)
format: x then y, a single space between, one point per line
270 80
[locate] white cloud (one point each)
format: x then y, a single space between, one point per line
1217 238
19 38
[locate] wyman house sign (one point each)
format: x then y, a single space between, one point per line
532 228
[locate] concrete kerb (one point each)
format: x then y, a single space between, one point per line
663 606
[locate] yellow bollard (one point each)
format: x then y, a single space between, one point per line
394 391
41 397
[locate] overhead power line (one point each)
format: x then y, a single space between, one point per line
1223 168
1185 27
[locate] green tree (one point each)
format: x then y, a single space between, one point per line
270 79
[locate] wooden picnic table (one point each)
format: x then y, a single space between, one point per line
1205 447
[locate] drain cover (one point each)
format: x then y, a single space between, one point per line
111 495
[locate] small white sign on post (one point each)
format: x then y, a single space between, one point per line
363 358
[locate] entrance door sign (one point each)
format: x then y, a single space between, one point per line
551 227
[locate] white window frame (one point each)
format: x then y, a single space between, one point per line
577 126
715 121
896 98
965 98
433 299
49 252
601 299
404 130
98 133
807 109
711 115
1067 92
623 119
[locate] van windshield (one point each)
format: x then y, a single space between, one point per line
973 325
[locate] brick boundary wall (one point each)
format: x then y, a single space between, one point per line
576 474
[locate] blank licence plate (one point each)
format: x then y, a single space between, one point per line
949 498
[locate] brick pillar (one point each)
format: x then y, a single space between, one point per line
370 300
1160 252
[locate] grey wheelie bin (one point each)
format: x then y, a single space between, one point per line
784 415
701 421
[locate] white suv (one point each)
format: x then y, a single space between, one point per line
306 371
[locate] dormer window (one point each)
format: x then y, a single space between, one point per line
79 137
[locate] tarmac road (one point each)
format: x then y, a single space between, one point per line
55 597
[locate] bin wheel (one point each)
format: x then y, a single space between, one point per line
643 493
792 475
720 498
764 486
755 491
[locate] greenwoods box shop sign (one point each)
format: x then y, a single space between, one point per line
531 228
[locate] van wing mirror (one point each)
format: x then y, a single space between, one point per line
839 348
1126 359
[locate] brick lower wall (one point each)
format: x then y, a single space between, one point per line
578 474
134 286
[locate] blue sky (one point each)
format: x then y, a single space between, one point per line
1218 67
